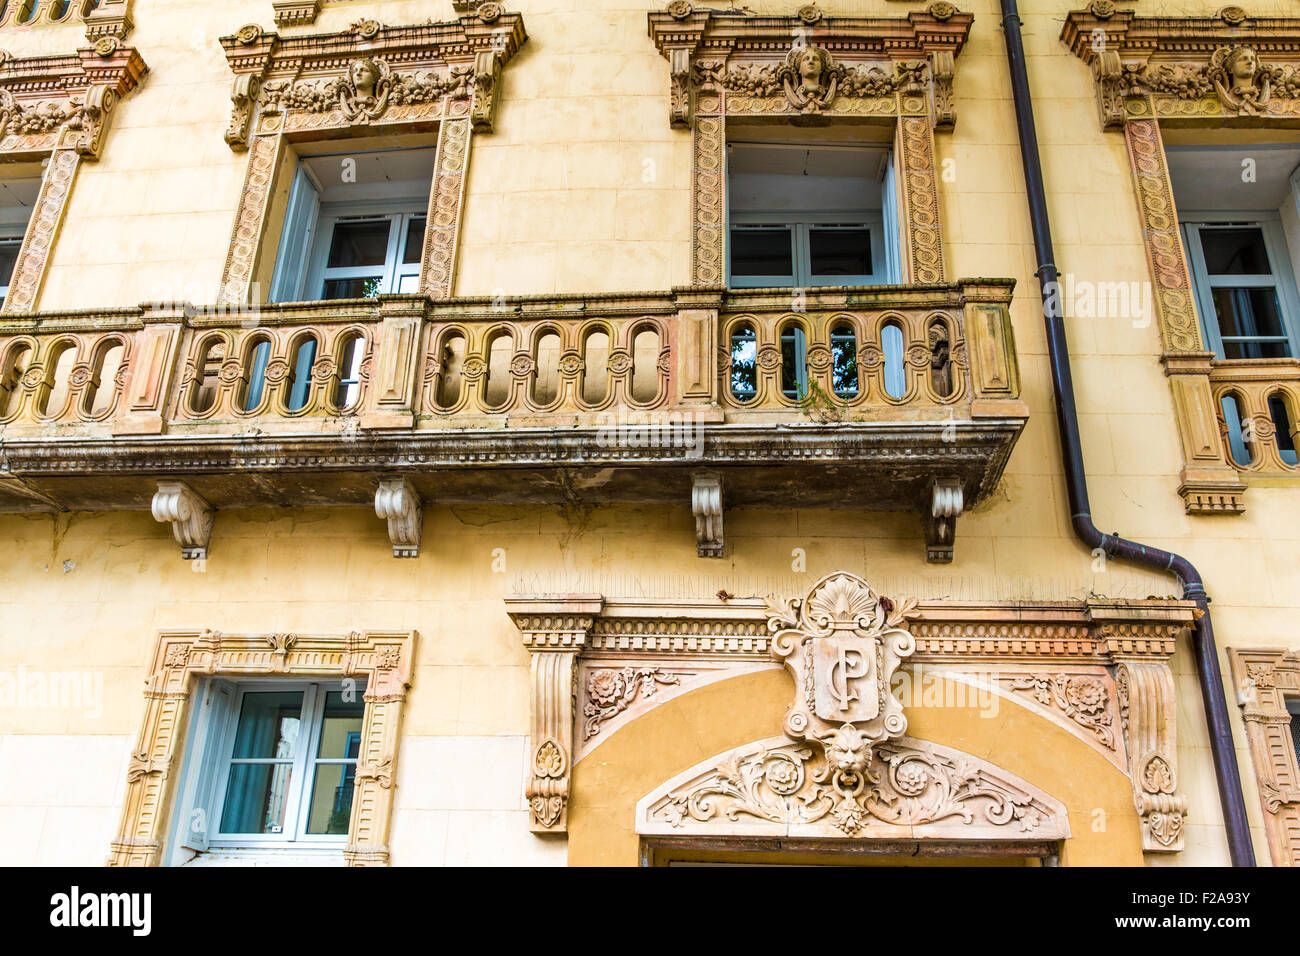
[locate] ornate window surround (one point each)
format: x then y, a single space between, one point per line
1267 680
729 70
383 658
1100 669
110 18
435 77
56 110
1167 72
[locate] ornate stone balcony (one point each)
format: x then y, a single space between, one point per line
1266 396
908 398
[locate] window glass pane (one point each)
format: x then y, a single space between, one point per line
1235 251
257 796
1295 730
362 243
1249 313
331 795
341 720
840 252
414 240
408 283
8 256
268 725
366 288
762 252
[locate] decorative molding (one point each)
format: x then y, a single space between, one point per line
946 501
1266 680
385 80
707 506
58 108
1149 719
811 70
555 629
383 658
608 691
190 516
1209 70
296 13
397 501
1081 698
112 18
908 788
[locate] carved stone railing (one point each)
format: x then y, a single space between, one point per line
1252 385
607 398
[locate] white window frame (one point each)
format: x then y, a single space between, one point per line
7 239
398 212
1282 279
801 225
206 770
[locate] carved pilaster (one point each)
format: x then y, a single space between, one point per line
555 630
189 514
918 182
1149 716
707 505
397 501
1265 681
946 501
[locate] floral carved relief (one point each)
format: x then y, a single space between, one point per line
1083 699
910 786
610 692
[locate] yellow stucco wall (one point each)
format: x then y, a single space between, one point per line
558 200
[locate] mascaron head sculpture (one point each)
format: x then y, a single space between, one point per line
1239 80
364 94
810 77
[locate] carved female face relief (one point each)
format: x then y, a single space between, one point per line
810 78
1238 79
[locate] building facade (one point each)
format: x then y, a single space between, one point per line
589 433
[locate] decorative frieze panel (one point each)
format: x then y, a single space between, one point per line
907 789
811 69
57 108
369 78
382 658
1267 680
1097 669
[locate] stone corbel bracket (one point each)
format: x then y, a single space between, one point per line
421 72
946 501
1266 680
296 13
189 514
555 630
397 501
863 59
1141 652
707 506
384 659
112 18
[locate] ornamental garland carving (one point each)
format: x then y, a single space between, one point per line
776 786
1081 698
364 94
612 691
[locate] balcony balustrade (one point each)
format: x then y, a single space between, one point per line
902 397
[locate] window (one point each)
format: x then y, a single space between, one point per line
17 197
354 226
1244 286
1239 211
807 216
274 767
1293 708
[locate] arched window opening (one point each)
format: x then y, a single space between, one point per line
102 389
595 374
744 363
351 355
794 362
11 377
258 358
498 381
546 385
1283 427
645 365
844 361
891 343
452 359
940 358
300 387
1240 434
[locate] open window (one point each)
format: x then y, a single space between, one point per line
1238 211
810 215
354 226
17 198
273 769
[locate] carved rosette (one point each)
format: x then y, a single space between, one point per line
1266 681
555 630
909 788
842 644
382 658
